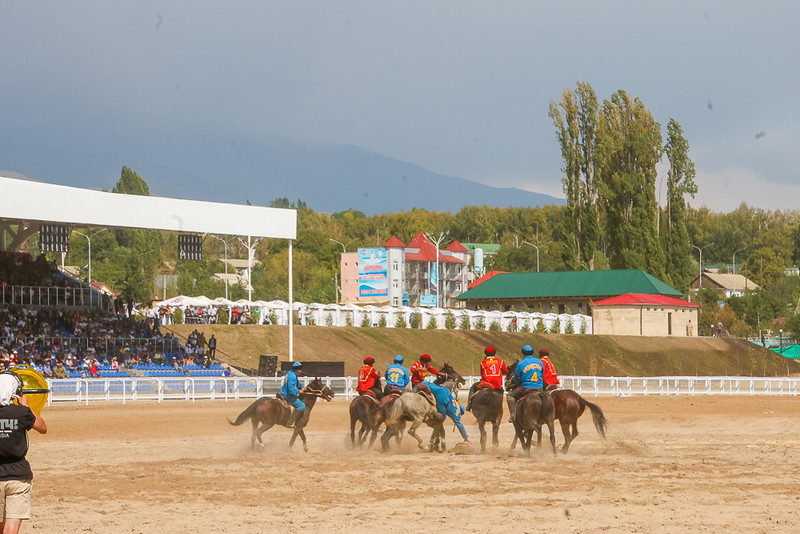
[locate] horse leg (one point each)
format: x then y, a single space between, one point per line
412 432
567 436
482 428
496 431
259 432
387 435
552 428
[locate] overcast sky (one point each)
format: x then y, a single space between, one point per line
460 87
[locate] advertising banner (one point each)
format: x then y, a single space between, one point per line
373 278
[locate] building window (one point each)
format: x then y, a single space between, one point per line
395 283
395 266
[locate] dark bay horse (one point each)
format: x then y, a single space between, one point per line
268 412
534 409
487 406
361 410
568 406
450 379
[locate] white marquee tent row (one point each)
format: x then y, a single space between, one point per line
352 315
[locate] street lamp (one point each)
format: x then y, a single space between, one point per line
438 242
226 262
781 333
734 269
251 250
537 253
344 277
700 286
89 239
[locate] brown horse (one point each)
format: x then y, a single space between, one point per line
449 378
268 412
569 406
361 409
487 405
534 409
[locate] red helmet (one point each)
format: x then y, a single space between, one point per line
489 351
544 352
369 360
424 358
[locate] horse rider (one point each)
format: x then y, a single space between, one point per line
527 376
550 377
492 371
397 376
369 380
420 369
448 406
291 391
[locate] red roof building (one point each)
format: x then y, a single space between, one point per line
637 314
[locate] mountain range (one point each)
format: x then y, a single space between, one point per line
327 177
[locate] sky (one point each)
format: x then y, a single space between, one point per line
459 87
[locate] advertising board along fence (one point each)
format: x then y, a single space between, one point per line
86 390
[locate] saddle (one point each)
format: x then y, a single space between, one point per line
370 394
426 393
485 385
283 401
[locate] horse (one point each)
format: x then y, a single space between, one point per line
568 407
269 411
361 408
534 409
487 405
449 378
418 409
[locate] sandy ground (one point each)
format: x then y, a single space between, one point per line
669 465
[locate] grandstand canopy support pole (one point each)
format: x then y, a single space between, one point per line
291 308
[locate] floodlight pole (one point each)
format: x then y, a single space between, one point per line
251 248
344 278
226 262
734 270
438 242
291 307
89 239
700 284
537 253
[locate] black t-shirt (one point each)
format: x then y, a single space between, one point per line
15 421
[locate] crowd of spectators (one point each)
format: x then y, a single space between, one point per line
59 341
48 339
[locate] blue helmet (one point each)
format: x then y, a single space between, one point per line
398 359
297 365
527 350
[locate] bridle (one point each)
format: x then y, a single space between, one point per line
318 392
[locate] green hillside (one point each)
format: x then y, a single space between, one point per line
241 345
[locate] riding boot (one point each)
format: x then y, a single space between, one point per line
512 408
293 418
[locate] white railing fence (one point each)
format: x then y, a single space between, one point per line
86 390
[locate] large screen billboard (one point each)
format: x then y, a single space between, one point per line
373 276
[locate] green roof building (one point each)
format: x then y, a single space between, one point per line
560 292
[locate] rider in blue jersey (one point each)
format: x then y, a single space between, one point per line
291 390
397 376
447 406
528 374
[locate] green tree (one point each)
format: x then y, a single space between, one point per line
680 182
130 183
576 120
628 150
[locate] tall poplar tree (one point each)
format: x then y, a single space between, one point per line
628 149
575 118
680 182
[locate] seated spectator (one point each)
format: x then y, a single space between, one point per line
59 371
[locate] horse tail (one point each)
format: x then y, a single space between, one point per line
248 413
393 412
599 419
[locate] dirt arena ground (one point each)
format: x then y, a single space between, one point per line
700 464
